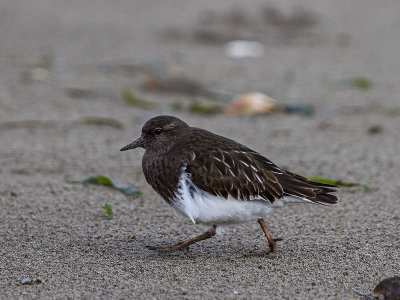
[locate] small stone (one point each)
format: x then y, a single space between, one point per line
389 288
26 281
375 129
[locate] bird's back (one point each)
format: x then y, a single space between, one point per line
224 167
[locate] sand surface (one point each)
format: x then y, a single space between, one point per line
61 61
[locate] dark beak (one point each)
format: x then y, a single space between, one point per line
135 144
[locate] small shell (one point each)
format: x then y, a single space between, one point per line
253 103
242 49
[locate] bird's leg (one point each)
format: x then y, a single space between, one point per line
184 245
271 241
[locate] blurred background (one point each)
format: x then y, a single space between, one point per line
312 84
231 67
58 55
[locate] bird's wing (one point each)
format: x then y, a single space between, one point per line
240 173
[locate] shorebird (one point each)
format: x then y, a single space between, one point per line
214 180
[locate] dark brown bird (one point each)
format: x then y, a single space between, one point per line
217 181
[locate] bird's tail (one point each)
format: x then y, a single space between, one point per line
304 189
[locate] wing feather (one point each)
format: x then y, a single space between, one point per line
234 173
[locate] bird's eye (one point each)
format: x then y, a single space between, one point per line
157 131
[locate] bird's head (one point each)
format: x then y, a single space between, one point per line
158 134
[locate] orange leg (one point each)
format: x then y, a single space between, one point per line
184 245
271 241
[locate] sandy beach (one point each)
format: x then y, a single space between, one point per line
71 74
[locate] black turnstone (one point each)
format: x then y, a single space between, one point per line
217 181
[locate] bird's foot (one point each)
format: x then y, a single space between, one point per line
181 246
184 245
270 249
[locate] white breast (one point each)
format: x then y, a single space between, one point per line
202 207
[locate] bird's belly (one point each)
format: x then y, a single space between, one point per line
202 207
209 209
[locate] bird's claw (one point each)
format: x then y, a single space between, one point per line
270 249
